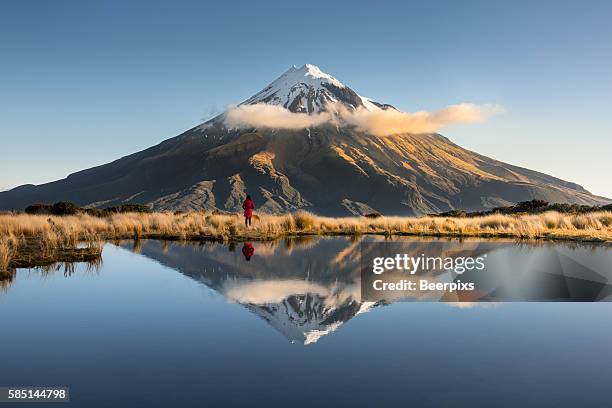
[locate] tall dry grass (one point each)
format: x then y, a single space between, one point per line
68 231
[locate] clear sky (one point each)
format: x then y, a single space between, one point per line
84 82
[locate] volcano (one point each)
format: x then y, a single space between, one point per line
327 169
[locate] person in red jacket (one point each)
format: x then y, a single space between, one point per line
248 207
248 250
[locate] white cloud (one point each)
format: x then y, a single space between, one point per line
390 121
376 122
262 115
271 291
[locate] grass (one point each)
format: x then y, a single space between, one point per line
48 236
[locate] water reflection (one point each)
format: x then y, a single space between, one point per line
48 271
6 279
248 250
303 287
308 287
163 329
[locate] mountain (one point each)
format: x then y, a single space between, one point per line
327 169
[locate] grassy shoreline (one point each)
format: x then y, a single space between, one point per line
28 239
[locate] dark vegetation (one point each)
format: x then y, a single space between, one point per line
523 207
528 207
32 255
8 274
67 208
32 252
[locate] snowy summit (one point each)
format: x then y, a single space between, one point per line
308 89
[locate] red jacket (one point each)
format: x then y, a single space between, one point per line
248 250
248 207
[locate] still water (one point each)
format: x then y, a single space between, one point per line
282 323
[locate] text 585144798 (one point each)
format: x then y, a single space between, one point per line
33 394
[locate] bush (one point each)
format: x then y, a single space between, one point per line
59 208
303 220
452 213
65 208
607 207
529 206
127 208
288 223
123 208
38 208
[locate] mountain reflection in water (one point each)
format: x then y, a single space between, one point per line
187 324
303 287
307 287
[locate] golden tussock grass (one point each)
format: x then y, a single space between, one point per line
52 232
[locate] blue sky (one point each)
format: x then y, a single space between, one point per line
83 83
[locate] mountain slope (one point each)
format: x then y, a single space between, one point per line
326 169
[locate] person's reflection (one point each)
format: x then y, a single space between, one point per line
248 250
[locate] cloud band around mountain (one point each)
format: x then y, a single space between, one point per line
262 115
378 122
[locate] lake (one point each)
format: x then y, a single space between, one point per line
282 323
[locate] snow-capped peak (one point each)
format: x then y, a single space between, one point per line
310 73
308 89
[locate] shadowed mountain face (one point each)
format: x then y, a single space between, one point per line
328 170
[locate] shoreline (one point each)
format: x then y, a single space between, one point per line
33 257
259 238
37 240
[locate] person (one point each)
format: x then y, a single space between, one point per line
248 250
248 207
